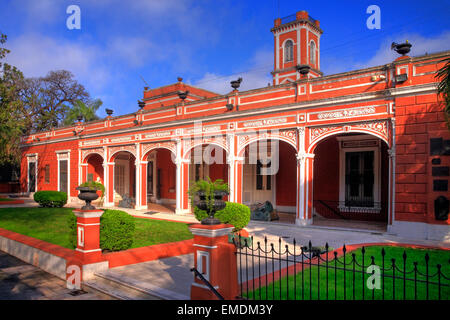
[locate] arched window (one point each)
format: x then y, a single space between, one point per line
288 51
312 53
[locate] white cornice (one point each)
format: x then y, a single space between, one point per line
389 93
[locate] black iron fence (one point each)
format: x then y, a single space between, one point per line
268 271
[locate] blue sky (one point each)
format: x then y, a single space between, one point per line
207 42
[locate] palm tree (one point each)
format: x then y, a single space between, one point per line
81 109
444 88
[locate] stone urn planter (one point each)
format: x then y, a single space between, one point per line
402 48
218 204
88 195
303 69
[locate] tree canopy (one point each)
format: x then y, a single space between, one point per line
29 105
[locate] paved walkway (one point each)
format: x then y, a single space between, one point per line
318 235
22 281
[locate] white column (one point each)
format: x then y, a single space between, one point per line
301 218
231 167
182 165
138 178
391 152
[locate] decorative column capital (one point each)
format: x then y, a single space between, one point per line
302 156
391 152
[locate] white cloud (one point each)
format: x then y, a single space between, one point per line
35 55
420 46
257 76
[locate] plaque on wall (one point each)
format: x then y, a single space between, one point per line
440 185
440 171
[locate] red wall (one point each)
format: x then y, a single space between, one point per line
95 166
168 172
286 178
418 119
326 170
47 155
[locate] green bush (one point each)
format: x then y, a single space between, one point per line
200 214
236 214
50 199
116 230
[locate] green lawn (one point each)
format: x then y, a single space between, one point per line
307 289
50 225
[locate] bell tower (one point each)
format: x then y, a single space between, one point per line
297 42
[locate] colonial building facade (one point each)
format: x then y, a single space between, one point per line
362 145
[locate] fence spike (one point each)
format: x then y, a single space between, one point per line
404 255
344 249
363 250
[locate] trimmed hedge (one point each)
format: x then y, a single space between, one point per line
50 199
116 230
236 214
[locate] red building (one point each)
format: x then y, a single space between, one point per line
369 145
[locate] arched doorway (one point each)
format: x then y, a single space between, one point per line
124 177
351 181
269 173
94 170
159 179
207 161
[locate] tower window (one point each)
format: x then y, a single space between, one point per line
312 53
288 51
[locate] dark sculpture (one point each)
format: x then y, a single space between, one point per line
109 112
262 211
126 202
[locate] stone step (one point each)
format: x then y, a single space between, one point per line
125 288
116 289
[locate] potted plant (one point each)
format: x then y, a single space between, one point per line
208 196
88 193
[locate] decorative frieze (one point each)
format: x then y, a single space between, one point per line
147 147
380 128
86 152
289 136
221 141
129 148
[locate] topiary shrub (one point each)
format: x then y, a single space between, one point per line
236 214
50 199
116 230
